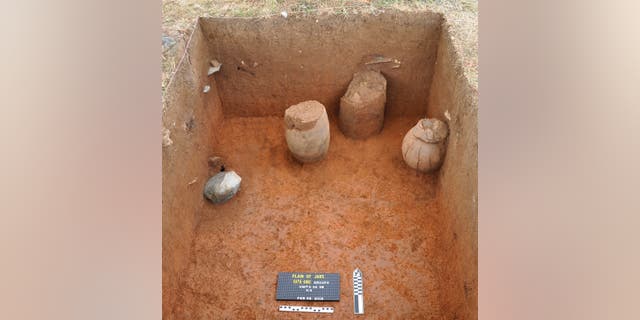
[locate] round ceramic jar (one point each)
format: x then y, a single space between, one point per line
423 147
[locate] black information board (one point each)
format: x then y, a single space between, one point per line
308 286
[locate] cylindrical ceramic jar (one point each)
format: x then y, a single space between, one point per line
307 131
362 106
423 147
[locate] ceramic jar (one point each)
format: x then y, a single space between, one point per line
307 131
423 147
362 106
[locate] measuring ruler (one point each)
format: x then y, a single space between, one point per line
358 296
306 309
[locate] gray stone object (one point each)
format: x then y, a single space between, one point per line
222 187
167 43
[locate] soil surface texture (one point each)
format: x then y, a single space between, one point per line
360 207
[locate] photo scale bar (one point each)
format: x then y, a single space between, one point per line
306 309
358 293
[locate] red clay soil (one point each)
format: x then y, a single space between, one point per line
360 207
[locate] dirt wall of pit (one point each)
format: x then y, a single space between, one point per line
271 64
266 70
452 95
191 121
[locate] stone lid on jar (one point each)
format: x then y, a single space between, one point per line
430 130
304 115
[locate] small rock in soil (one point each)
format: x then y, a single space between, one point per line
216 162
222 187
214 66
167 43
166 137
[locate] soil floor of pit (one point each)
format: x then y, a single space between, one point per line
360 207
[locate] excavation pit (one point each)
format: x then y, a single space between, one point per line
413 235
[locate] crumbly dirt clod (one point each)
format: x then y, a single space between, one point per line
215 162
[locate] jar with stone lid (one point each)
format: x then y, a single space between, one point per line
423 147
307 131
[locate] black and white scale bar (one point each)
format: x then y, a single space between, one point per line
306 309
358 295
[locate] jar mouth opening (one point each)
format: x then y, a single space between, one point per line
431 130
